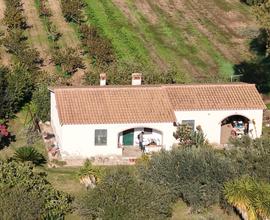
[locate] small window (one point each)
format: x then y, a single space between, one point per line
100 137
191 123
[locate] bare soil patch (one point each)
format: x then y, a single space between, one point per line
37 34
145 9
68 38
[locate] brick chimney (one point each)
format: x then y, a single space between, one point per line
136 79
102 79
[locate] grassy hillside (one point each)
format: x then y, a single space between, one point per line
201 39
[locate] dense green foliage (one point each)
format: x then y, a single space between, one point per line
98 47
29 154
256 70
41 102
253 2
195 175
251 157
20 203
72 10
121 195
13 15
187 137
19 177
68 59
16 89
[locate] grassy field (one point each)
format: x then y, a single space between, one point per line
202 40
181 212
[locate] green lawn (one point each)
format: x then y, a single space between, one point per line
182 212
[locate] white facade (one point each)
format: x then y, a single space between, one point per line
78 141
210 121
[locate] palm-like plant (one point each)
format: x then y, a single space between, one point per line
89 175
24 154
250 197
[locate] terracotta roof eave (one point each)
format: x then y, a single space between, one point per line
95 123
219 109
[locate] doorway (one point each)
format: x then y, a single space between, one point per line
234 126
128 137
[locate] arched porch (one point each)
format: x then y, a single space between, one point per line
129 142
234 126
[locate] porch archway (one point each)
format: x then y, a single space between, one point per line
233 126
128 137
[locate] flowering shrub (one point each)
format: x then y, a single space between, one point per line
3 131
4 134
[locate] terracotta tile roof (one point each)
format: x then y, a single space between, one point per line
149 104
215 97
113 105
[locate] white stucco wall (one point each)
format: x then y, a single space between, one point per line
57 128
79 140
210 121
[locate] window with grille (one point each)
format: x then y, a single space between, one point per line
100 137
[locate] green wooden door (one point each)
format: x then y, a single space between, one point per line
128 137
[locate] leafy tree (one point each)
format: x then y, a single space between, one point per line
188 137
196 175
250 197
13 15
19 203
69 59
121 195
262 12
72 10
25 154
14 41
99 48
41 102
251 157
91 78
13 176
20 87
5 111
30 58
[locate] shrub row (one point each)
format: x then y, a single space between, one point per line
196 174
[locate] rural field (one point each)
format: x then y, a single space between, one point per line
200 40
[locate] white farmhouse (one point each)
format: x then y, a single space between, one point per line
101 121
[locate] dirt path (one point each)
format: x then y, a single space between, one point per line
5 58
37 35
68 38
